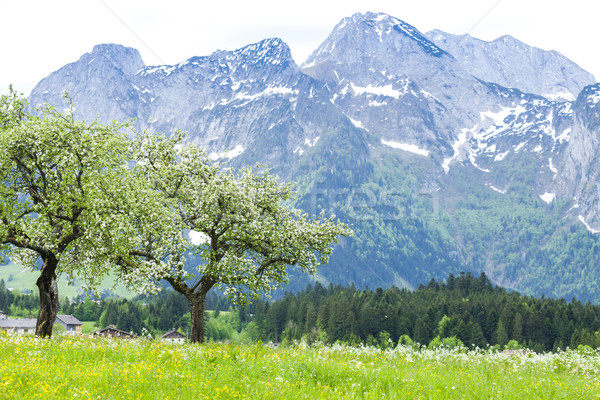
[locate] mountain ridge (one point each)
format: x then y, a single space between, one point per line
506 60
438 170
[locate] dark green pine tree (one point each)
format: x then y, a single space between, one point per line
129 318
501 335
6 297
491 324
341 320
517 332
422 333
110 316
310 318
461 331
477 339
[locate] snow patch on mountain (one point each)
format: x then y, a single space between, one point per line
548 197
269 91
375 103
594 98
473 160
456 146
386 90
558 96
308 143
589 228
564 136
551 167
406 147
229 154
518 147
357 124
427 94
165 70
494 188
501 156
312 143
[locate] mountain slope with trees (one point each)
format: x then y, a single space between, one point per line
436 169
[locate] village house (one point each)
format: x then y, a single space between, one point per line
19 326
26 326
174 336
69 322
113 332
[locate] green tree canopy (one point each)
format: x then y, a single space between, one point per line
244 232
60 181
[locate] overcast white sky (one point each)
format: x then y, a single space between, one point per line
40 36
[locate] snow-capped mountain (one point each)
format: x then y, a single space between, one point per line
395 83
410 94
446 153
236 103
512 63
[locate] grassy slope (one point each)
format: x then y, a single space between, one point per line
90 369
24 279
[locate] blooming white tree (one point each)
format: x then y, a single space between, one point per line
248 235
69 199
60 181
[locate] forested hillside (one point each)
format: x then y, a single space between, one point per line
464 308
468 308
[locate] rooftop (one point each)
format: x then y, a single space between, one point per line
27 323
173 334
68 320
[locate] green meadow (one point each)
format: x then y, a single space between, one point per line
83 368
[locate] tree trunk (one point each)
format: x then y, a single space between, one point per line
195 297
48 289
197 317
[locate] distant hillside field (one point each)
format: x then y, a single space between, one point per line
16 277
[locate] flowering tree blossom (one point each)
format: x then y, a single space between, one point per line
60 179
247 234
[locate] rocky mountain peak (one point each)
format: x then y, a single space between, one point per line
588 102
258 57
369 33
512 63
580 169
268 51
126 59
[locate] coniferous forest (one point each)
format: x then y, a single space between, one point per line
464 310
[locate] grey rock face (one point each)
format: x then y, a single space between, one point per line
580 172
242 106
100 83
385 75
406 91
512 63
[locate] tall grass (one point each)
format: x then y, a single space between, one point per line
72 367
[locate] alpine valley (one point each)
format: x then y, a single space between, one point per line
445 153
